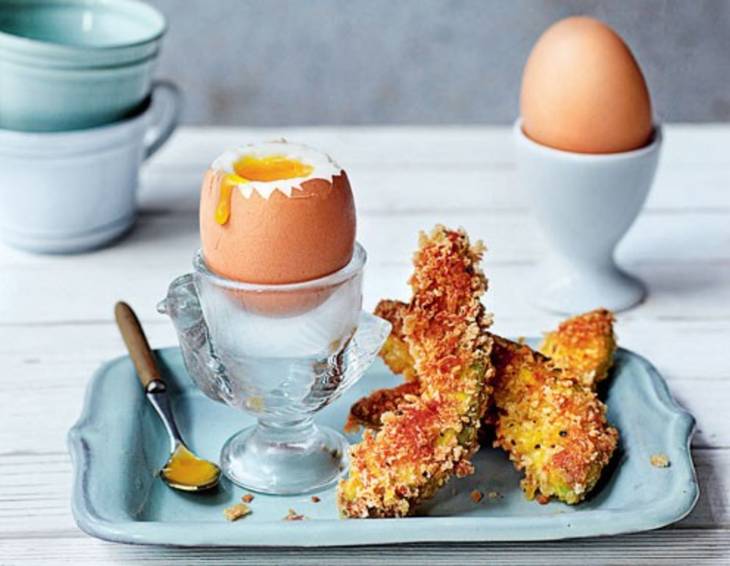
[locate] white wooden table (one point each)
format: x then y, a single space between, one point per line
56 324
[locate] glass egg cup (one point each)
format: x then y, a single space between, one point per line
280 353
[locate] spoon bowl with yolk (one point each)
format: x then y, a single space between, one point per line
185 471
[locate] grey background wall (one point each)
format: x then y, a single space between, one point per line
300 62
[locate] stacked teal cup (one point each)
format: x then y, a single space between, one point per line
73 64
77 82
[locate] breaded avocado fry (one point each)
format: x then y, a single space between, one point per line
553 427
430 436
546 414
583 345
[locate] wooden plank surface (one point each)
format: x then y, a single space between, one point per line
670 547
56 321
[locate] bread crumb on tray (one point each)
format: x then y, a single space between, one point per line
235 512
660 461
293 516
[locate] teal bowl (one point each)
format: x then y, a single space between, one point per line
75 64
79 33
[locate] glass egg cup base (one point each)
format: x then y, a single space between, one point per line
285 458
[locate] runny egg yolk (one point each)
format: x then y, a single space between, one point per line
186 469
251 168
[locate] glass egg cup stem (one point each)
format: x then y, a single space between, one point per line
285 457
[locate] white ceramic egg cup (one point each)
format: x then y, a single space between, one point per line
585 204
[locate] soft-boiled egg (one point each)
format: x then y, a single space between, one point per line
276 213
583 91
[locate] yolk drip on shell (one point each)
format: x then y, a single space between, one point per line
186 469
251 168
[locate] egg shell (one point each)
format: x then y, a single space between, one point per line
583 91
279 239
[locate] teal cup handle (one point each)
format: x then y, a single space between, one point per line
165 115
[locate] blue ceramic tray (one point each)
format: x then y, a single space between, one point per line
118 445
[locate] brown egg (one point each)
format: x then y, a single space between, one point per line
583 91
267 218
278 238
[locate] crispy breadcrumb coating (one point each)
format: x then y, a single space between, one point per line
553 427
431 436
534 401
583 345
368 411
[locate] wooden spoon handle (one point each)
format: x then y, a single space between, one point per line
137 345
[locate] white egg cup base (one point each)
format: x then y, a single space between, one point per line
562 288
